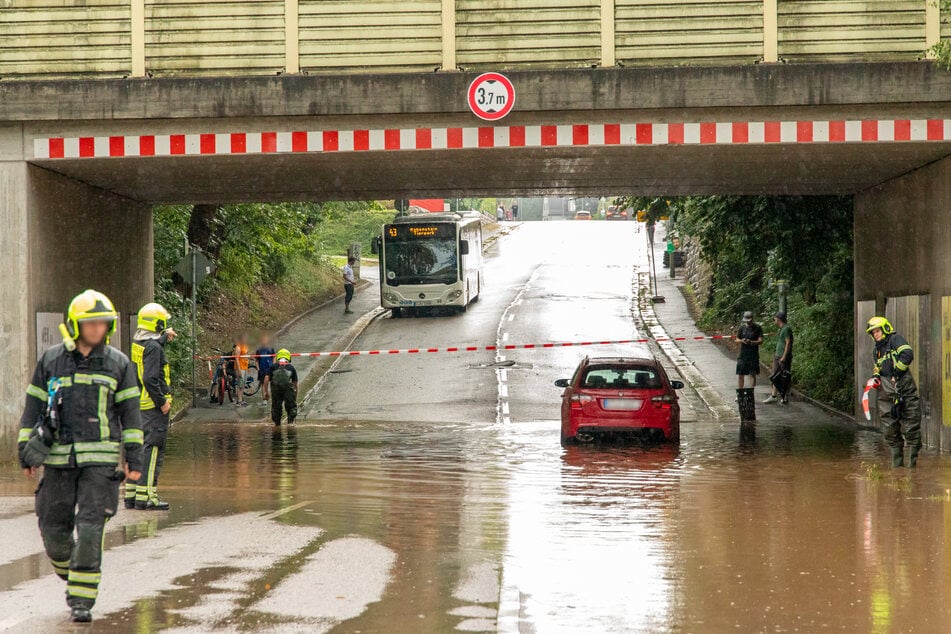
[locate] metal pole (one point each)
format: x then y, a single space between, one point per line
650 252
194 254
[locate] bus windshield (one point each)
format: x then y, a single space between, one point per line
430 261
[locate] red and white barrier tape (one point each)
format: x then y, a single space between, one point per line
523 346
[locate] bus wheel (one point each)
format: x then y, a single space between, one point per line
396 313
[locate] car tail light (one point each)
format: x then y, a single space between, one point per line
578 400
664 401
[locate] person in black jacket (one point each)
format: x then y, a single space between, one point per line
283 377
84 398
148 354
898 402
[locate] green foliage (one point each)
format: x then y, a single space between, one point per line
753 241
344 223
257 244
942 50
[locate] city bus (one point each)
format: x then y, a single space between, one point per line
430 260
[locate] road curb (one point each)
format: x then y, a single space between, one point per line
363 283
698 383
352 334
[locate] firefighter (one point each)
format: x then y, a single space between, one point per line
81 405
148 354
898 401
283 377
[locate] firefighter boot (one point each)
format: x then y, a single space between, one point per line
130 495
898 456
913 457
81 615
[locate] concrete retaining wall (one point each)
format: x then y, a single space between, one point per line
903 265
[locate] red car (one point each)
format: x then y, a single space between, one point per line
619 395
613 213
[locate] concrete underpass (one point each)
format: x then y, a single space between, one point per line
82 160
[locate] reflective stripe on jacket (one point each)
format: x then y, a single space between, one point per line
99 407
153 373
893 356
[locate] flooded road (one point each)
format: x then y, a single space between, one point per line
435 519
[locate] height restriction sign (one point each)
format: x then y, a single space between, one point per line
491 96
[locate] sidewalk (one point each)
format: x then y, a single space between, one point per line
709 368
326 328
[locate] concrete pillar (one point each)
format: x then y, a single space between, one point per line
902 235
15 309
59 237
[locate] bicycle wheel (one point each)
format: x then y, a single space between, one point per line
222 386
251 384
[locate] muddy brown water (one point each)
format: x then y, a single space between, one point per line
799 530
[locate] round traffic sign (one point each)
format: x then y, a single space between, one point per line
491 96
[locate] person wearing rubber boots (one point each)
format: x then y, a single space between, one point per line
283 378
155 401
898 401
82 409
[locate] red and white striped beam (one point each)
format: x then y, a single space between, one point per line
530 136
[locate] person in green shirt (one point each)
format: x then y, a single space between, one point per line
781 376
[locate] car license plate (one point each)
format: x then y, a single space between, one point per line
621 404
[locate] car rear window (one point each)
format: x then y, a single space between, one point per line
621 377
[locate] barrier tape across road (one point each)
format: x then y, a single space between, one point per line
496 348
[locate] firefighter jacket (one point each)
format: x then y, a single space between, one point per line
893 355
153 372
98 407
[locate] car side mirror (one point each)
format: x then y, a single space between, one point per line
562 383
464 247
677 385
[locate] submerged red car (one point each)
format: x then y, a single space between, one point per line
619 395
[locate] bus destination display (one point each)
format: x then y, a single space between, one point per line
410 232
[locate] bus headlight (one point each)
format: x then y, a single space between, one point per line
455 295
390 297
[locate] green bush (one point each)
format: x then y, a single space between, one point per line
753 241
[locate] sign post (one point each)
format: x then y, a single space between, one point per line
491 96
194 268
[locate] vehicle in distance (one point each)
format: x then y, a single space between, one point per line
583 215
613 213
430 260
619 396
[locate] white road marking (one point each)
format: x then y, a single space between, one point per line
502 407
143 569
336 583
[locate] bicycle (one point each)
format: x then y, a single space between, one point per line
219 379
225 382
251 384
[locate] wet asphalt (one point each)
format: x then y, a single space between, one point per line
430 494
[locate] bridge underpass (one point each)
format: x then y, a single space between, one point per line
77 178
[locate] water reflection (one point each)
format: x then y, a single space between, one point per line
797 530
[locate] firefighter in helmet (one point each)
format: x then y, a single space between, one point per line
155 401
898 401
82 408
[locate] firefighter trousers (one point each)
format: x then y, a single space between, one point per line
155 428
80 499
286 399
900 410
